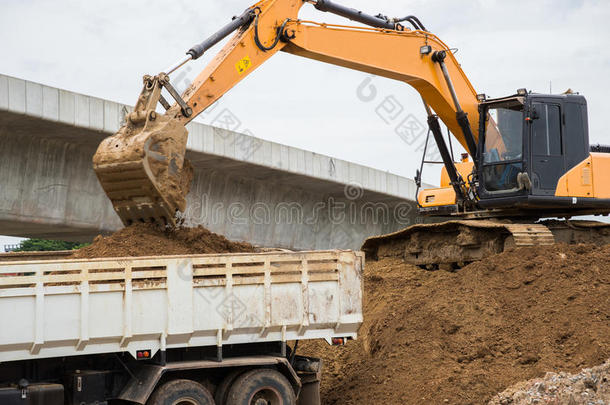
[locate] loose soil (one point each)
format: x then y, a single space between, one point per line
461 337
151 240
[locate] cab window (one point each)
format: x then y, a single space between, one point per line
546 130
504 133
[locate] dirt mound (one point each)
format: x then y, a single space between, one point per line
150 240
461 337
590 386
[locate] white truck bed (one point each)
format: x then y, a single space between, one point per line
53 308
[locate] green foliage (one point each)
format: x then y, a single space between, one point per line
40 245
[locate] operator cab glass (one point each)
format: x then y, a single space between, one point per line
503 146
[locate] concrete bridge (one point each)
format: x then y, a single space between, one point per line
245 188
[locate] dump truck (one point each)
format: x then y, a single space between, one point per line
199 329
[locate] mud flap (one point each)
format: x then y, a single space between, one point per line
310 392
310 377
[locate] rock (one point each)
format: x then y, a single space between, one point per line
590 383
590 386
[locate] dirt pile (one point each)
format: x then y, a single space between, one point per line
590 386
150 240
461 337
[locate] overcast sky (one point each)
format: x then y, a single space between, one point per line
102 48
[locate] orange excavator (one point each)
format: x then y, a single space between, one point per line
530 156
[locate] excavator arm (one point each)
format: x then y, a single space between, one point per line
387 53
142 168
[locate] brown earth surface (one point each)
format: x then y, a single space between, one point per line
461 337
151 240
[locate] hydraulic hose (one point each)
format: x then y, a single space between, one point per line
414 22
278 36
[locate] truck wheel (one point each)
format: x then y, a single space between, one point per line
222 391
261 387
181 392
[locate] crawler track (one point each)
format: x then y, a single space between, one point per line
453 244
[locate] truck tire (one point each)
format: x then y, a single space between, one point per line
181 392
222 391
261 387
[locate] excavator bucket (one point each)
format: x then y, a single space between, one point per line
142 168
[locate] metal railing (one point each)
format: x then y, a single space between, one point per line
10 248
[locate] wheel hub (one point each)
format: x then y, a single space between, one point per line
266 396
185 401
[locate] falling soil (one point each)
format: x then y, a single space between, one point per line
461 337
150 240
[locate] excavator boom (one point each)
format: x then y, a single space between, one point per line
143 168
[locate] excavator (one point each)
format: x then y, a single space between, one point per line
529 157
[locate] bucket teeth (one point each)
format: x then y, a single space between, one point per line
134 194
143 171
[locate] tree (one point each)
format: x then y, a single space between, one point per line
40 245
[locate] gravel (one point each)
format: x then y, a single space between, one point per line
589 387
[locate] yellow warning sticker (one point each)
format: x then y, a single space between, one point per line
243 65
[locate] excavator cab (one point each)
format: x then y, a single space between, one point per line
527 143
